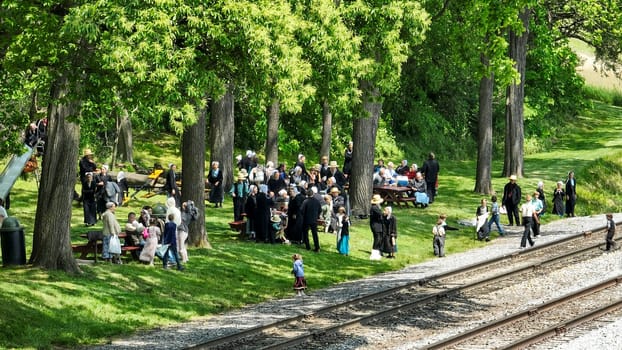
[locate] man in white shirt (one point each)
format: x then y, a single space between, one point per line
527 211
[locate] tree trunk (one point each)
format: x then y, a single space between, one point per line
364 143
124 145
193 177
222 135
514 116
484 133
51 248
272 134
327 125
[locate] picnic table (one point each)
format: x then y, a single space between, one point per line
95 244
398 195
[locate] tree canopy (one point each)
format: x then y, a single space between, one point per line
161 62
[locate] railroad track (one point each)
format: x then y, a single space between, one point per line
322 323
530 326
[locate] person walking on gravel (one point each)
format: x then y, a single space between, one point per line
571 194
511 199
439 238
611 231
527 212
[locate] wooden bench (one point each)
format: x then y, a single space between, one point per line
239 226
86 249
321 223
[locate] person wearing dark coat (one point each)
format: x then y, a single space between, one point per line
293 232
340 178
430 171
170 237
375 221
86 164
89 187
347 160
558 200
101 180
262 214
389 233
250 207
239 192
540 190
324 169
571 194
214 178
171 188
511 199
276 183
310 211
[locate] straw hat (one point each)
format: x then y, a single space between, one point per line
275 218
333 164
513 178
317 167
376 199
88 152
334 190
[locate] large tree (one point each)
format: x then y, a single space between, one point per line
333 51
43 53
51 241
387 30
514 112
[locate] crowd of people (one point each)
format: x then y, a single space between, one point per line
282 206
528 212
161 234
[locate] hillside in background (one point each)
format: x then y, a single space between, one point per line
591 72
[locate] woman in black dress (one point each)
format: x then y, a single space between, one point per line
558 200
375 224
88 200
215 180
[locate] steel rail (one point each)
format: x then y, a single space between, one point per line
456 339
210 343
317 334
562 327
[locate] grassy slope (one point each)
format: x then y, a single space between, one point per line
43 309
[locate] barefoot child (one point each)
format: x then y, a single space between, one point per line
300 284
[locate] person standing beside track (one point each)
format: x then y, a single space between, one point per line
527 212
611 231
511 199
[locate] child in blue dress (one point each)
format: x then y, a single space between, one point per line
300 284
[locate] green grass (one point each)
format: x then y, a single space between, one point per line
42 309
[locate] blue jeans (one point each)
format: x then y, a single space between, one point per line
495 219
175 257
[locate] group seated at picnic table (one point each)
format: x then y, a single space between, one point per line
401 185
144 235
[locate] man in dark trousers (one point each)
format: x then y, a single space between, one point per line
511 199
430 171
310 210
171 185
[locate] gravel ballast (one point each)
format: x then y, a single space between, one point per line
187 334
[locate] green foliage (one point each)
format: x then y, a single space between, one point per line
605 95
601 186
553 89
43 309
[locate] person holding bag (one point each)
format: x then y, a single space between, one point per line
112 246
